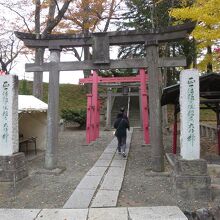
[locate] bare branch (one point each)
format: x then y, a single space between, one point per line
57 19
16 12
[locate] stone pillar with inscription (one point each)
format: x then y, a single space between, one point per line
191 180
12 162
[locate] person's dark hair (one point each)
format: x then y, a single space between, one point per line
120 115
122 109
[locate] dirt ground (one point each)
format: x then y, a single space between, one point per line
140 187
44 190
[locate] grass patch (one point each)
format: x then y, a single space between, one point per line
71 96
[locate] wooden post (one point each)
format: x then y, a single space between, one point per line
109 107
218 128
53 110
154 89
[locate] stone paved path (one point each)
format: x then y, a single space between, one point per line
96 196
101 185
125 213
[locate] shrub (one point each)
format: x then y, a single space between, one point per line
74 115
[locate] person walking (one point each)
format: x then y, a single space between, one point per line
121 125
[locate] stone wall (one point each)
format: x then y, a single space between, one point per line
13 168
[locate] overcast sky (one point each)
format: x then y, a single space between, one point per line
65 77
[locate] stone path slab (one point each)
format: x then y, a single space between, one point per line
17 214
80 199
63 214
102 163
89 182
105 198
107 156
101 185
97 171
156 213
116 171
119 213
112 183
108 214
119 163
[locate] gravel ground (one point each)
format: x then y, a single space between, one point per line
140 187
43 190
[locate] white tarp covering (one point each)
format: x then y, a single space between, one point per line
29 103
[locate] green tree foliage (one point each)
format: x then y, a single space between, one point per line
151 15
73 115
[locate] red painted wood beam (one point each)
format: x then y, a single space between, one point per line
112 79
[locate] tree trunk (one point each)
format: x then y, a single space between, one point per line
209 65
38 76
52 22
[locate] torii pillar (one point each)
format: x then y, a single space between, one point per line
154 90
53 110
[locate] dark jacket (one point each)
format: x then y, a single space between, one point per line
121 124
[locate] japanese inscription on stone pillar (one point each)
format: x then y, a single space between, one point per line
189 115
8 115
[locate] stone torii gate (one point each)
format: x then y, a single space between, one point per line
100 43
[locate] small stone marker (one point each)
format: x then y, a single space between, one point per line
8 115
189 114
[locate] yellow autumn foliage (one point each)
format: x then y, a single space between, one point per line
207 31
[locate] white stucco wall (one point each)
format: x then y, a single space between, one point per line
34 124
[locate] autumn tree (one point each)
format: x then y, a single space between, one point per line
10 47
39 17
87 16
206 14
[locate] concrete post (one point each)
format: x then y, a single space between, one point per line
154 86
189 115
8 115
109 107
53 111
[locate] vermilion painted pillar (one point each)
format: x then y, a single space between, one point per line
88 118
98 119
144 106
94 104
2 72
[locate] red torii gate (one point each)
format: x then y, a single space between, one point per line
93 102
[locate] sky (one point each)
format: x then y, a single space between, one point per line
70 77
66 77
